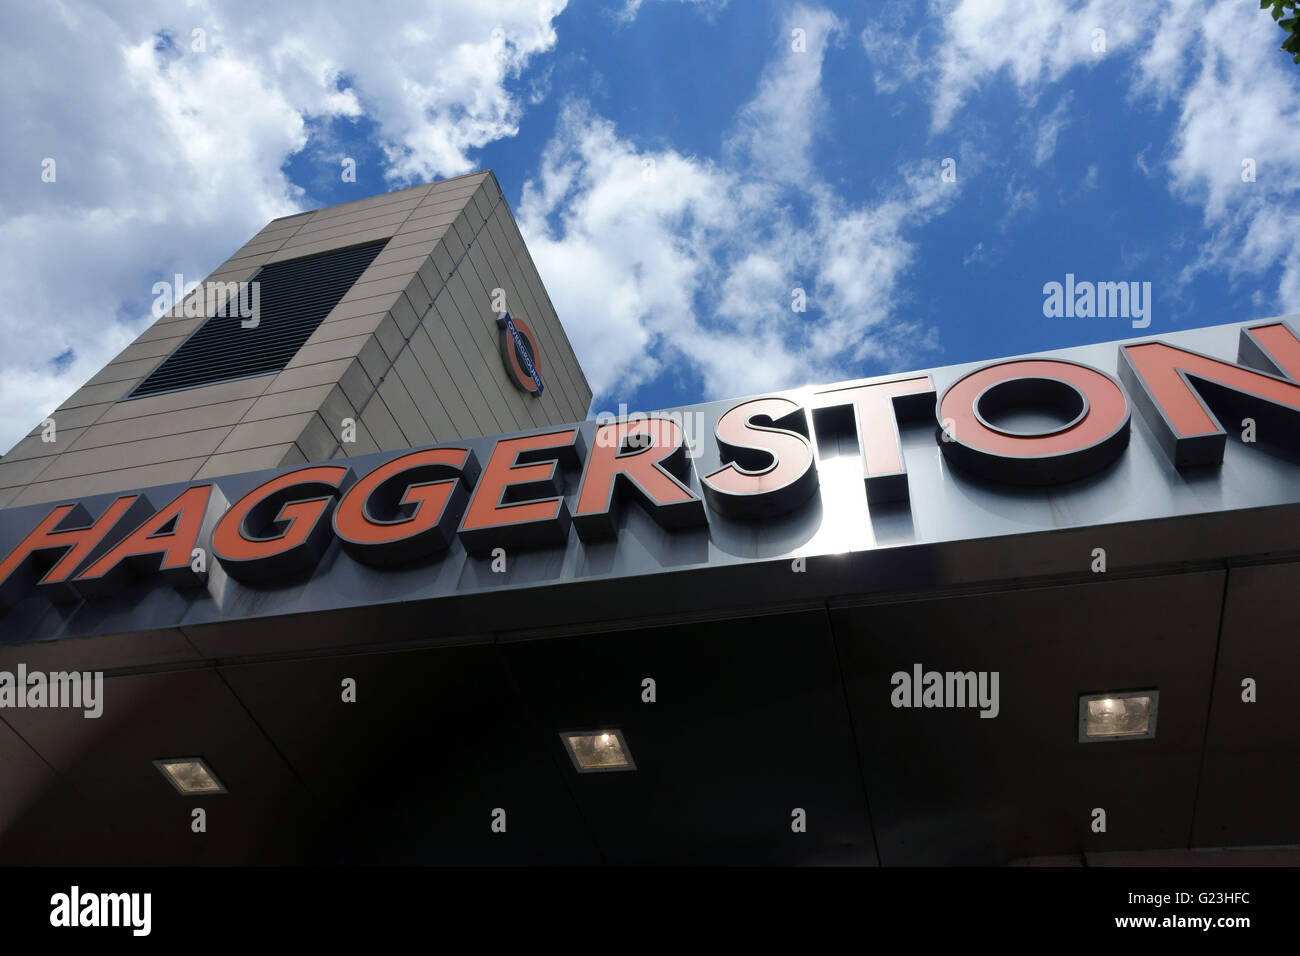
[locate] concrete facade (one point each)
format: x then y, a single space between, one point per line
410 353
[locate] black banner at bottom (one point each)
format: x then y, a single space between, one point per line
492 905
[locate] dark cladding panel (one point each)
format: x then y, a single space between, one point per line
411 767
295 296
1250 785
748 726
26 779
110 806
948 786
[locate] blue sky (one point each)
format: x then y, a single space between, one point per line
678 169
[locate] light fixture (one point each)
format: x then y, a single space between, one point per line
1124 715
190 776
596 751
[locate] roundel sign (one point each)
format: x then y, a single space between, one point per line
520 354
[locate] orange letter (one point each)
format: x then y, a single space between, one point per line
1091 405
654 469
1176 389
772 470
139 551
277 528
878 407
398 514
76 543
520 469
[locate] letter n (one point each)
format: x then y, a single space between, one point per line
1183 394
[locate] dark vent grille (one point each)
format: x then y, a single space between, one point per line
294 298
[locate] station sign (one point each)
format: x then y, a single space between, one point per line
1021 423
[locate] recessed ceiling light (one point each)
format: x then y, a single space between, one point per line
190 776
593 751
1126 715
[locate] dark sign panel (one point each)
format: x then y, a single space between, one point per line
1017 447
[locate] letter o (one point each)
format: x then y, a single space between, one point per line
1095 431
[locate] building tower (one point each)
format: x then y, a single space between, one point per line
378 326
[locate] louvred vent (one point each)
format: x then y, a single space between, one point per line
294 297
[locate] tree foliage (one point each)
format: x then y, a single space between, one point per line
1290 24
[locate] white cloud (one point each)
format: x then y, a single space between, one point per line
1240 106
975 257
1164 64
1035 41
894 51
169 158
1218 65
1236 99
628 12
697 267
1050 128
1021 200
1140 161
774 129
